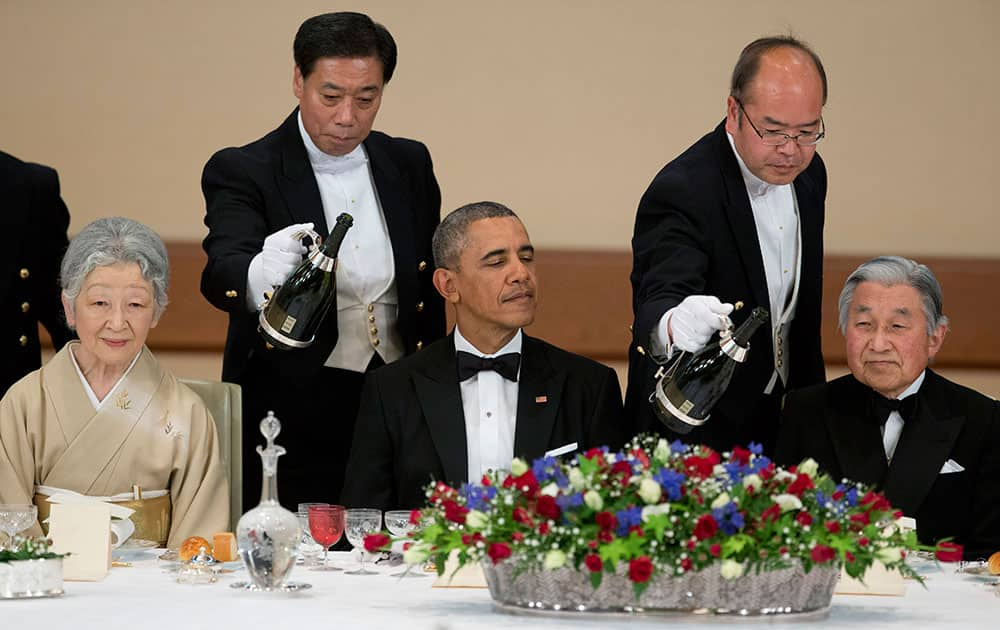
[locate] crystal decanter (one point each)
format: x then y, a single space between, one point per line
268 535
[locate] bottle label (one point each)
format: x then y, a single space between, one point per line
288 325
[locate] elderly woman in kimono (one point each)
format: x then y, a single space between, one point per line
103 416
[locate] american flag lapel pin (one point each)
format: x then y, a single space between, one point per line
540 400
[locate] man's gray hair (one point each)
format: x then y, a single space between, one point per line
890 271
451 236
113 241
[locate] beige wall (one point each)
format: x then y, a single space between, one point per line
563 108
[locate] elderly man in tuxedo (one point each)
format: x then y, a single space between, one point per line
738 217
930 444
488 392
324 159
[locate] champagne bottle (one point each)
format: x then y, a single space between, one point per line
291 317
684 396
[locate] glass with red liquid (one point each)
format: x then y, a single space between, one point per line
326 524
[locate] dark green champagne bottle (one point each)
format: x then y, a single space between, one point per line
291 317
684 396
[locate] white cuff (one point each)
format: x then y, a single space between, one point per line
256 284
660 338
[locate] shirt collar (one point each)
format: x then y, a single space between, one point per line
756 186
463 344
333 164
914 386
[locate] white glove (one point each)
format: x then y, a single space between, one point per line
693 321
281 255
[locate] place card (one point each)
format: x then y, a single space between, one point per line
877 580
469 576
81 530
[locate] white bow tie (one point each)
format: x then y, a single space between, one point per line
337 164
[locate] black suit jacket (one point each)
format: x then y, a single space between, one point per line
832 424
695 234
34 221
255 190
411 426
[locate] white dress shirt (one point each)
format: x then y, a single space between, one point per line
894 424
489 402
367 303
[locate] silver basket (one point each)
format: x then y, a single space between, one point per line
784 591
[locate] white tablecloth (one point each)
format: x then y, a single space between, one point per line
145 597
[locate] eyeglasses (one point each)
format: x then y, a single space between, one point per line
777 138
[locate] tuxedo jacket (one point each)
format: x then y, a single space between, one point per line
695 235
34 220
255 190
411 425
833 424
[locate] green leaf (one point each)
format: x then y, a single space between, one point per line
615 551
595 578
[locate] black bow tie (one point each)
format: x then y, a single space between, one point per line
882 407
505 365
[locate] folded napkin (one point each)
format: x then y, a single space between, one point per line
469 576
121 525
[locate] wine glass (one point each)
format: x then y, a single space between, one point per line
359 523
326 524
398 523
16 517
308 547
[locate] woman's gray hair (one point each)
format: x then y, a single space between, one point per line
890 271
113 241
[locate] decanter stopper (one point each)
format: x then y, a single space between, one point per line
270 427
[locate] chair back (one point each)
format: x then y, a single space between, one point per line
224 402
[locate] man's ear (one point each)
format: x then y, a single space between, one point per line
732 115
444 282
297 83
935 341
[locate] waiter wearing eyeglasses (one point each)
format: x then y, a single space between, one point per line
738 217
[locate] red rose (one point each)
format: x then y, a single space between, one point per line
595 454
606 520
767 472
863 541
698 467
640 569
605 535
517 536
740 455
715 550
415 517
837 495
623 468
485 481
527 484
949 552
686 564
849 556
593 562
498 551
547 507
471 539
705 527
822 553
374 542
521 515
771 514
690 544
804 518
592 544
543 528
455 512
860 519
832 526
783 550
640 455
800 485
876 501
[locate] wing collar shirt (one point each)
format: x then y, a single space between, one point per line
489 402
367 302
776 215
893 426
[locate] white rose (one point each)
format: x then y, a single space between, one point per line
720 500
576 479
731 569
551 490
476 519
809 467
662 450
554 559
650 491
518 467
784 475
788 502
887 555
593 500
650 511
719 470
752 481
416 554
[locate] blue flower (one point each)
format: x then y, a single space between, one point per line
671 482
547 469
627 519
478 497
729 518
759 463
851 497
755 448
677 447
569 501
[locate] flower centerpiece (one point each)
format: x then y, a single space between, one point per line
30 569
664 526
